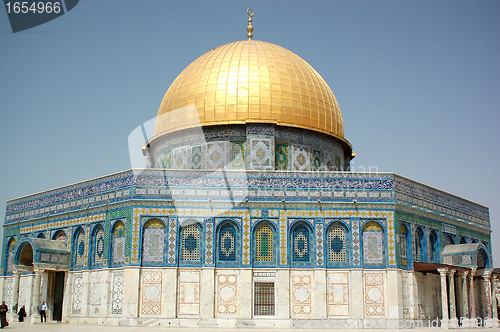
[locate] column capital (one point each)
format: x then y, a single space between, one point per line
17 273
464 274
452 272
443 271
39 271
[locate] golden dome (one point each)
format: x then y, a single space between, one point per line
251 82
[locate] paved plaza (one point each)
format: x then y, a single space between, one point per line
58 327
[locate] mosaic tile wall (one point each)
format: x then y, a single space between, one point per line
268 188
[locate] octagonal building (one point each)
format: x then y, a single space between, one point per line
247 215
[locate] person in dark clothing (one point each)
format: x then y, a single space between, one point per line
3 315
22 314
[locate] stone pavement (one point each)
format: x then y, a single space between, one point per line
58 327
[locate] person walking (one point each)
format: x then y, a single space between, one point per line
3 315
43 312
22 314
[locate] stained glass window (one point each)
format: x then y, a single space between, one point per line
336 244
373 244
118 244
227 243
10 254
264 298
301 245
98 243
191 243
154 242
264 244
80 248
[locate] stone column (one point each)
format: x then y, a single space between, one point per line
15 292
444 298
487 298
494 302
472 299
453 303
35 303
465 300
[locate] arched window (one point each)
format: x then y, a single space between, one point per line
463 240
419 245
373 244
264 243
191 240
403 245
41 235
11 250
227 243
473 241
448 240
337 244
79 248
482 259
60 235
434 246
301 243
98 246
118 244
154 242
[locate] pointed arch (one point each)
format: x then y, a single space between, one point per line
448 240
154 237
118 243
419 244
403 244
191 236
41 235
337 241
373 244
79 248
301 242
227 242
60 235
433 239
463 240
264 243
11 251
97 245
482 260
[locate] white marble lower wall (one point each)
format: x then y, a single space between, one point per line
225 297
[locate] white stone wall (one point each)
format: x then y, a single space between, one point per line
225 297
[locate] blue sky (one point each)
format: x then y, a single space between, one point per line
418 84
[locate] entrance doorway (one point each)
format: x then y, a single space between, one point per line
58 295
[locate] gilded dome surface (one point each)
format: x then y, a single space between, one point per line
251 81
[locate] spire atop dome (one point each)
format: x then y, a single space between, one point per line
250 26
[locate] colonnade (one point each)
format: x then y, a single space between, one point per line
468 317
35 299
